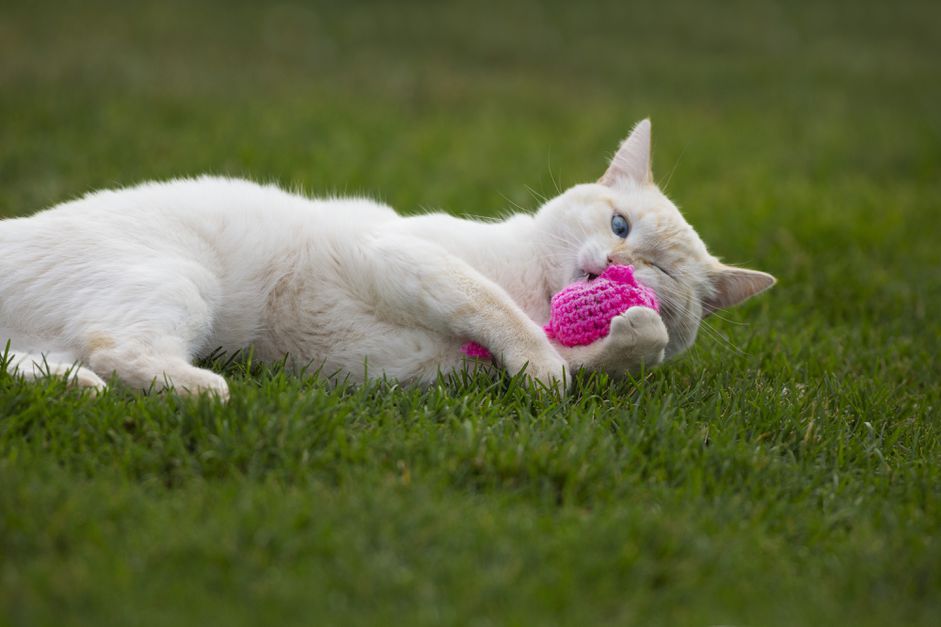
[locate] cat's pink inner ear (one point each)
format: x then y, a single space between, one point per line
632 160
732 286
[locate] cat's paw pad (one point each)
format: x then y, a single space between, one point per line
641 330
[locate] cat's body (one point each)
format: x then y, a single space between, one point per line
138 282
227 263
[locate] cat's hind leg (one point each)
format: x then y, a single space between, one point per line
33 366
165 316
157 364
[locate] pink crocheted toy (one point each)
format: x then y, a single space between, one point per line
582 312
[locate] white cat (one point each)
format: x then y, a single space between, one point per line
138 282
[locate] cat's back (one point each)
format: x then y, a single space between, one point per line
212 195
209 205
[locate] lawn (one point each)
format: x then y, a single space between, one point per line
785 471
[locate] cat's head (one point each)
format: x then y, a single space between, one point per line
624 218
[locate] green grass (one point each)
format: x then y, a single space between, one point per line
786 475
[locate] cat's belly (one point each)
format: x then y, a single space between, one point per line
361 347
318 326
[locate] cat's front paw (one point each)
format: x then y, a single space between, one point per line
549 369
640 335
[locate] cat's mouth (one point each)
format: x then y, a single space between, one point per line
584 274
590 272
589 276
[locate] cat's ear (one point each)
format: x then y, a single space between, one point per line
632 160
731 286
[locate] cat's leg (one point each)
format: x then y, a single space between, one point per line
165 317
159 363
637 339
33 366
414 283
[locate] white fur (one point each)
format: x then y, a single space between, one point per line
138 282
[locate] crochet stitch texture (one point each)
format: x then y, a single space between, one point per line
582 312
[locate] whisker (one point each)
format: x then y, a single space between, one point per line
551 175
542 199
666 183
514 203
672 302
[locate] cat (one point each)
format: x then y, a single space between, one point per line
136 283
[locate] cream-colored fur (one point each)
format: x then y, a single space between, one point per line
138 282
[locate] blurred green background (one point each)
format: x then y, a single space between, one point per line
801 138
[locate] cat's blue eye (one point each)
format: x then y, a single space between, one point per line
620 226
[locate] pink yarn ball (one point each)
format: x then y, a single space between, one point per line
582 312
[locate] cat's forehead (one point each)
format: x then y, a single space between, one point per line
653 217
636 201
